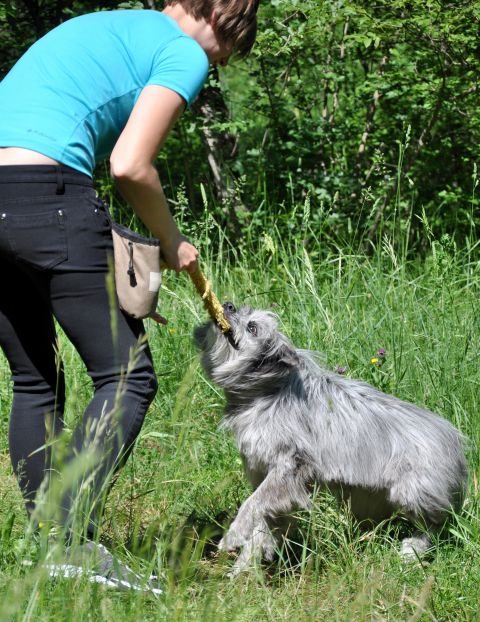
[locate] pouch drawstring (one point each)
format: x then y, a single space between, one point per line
131 269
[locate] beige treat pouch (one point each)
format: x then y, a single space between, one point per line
137 271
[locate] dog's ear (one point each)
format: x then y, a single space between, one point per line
283 355
288 356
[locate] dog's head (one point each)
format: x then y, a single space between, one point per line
253 352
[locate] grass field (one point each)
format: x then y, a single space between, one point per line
184 481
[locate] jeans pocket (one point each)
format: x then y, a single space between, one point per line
102 216
39 239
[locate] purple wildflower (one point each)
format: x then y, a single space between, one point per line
381 352
340 370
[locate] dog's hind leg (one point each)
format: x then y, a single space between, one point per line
426 506
283 490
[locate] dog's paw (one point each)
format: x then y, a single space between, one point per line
414 547
262 545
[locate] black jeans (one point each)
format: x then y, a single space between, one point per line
55 243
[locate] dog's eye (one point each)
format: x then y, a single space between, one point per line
252 328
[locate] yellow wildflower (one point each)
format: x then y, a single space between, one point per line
374 360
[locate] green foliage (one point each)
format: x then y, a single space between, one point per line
334 94
184 479
354 126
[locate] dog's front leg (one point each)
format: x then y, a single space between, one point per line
282 490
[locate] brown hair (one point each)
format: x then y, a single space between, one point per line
236 20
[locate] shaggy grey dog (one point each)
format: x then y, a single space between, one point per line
297 425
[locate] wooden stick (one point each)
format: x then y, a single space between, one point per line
210 301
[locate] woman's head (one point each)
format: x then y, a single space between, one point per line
234 21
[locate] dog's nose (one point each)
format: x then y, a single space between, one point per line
228 307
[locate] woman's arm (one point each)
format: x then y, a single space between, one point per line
131 165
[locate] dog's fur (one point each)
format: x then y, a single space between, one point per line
296 425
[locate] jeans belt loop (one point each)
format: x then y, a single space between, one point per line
60 181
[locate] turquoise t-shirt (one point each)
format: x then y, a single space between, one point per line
70 95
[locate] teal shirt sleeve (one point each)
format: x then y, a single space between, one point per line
181 66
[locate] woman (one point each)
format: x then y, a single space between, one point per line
108 84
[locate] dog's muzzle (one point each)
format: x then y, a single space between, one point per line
228 310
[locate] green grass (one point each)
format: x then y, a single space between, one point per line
184 481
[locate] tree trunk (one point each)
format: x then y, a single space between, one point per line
220 148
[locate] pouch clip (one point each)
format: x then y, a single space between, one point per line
131 269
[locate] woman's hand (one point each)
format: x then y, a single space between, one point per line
180 255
